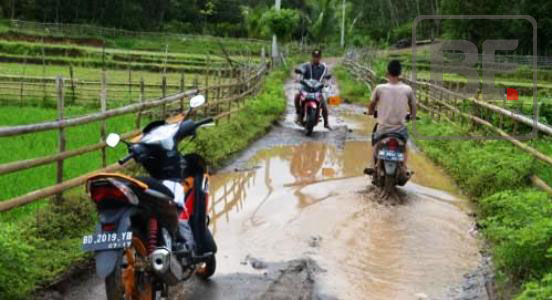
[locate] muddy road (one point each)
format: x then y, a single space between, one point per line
294 218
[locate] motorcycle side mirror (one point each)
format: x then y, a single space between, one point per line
113 140
328 77
197 101
297 71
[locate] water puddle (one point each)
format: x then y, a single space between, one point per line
312 200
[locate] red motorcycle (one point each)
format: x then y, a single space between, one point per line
152 231
311 96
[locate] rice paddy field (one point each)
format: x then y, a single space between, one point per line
30 61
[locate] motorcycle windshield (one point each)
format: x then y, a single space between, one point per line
162 135
312 86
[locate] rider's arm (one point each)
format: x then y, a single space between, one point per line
412 105
373 102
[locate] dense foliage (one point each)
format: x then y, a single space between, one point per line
381 22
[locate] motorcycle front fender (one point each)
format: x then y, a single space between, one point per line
390 167
312 104
108 259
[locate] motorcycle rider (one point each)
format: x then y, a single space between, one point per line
392 104
314 70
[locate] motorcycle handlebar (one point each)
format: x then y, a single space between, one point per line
126 159
204 122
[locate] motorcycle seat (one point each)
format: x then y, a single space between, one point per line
157 186
394 135
402 135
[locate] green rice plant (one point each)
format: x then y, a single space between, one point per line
351 90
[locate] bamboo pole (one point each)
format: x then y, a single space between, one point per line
35 162
61 136
103 107
537 182
33 128
142 100
164 94
182 87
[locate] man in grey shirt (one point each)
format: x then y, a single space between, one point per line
394 102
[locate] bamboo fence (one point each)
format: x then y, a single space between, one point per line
223 100
446 104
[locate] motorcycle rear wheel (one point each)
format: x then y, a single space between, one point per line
389 184
139 284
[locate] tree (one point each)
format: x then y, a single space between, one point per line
282 23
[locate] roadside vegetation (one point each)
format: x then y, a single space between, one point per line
351 91
515 217
32 242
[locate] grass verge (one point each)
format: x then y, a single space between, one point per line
39 248
516 218
351 90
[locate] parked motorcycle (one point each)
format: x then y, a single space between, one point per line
141 244
311 94
389 167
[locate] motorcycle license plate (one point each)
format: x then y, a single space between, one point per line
106 241
390 155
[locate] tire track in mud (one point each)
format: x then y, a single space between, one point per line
293 219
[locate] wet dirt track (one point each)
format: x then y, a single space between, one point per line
295 219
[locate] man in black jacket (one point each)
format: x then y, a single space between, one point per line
314 70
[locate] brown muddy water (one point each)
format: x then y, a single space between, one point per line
294 218
312 200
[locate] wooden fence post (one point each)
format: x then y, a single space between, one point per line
182 89
142 99
129 83
73 95
61 135
21 92
207 71
103 107
164 94
218 97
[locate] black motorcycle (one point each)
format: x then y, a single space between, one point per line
152 231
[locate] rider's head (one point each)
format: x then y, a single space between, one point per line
394 68
316 56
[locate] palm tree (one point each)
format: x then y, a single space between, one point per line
322 19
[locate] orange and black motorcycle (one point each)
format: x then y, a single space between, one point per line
153 231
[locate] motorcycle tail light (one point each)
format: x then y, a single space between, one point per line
108 227
114 191
392 144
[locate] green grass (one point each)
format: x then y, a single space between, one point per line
516 218
176 43
350 89
117 94
38 247
45 143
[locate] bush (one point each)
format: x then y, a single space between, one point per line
538 290
519 224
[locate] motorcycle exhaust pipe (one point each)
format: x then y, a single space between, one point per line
166 266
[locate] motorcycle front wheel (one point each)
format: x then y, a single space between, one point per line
311 120
129 277
208 268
